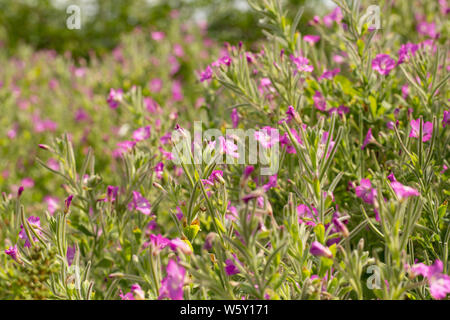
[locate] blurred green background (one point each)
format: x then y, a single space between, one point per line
42 23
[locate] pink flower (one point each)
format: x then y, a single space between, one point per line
136 293
383 64
329 74
140 203
406 52
114 98
267 136
158 35
311 39
301 64
34 223
365 191
123 147
427 29
226 146
439 282
155 85
230 266
272 183
13 252
142 133
427 130
446 118
206 74
335 15
235 117
52 204
405 91
172 284
319 101
369 138
403 191
319 250
71 250
305 216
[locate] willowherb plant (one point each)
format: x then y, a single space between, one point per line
356 119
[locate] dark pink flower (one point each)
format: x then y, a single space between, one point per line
206 74
403 191
383 64
52 204
334 16
406 52
140 203
311 39
142 133
267 136
329 74
446 118
235 118
319 250
158 35
13 252
301 64
439 282
172 284
34 223
427 130
365 191
305 216
369 138
319 101
114 98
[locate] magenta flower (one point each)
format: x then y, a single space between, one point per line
225 146
140 203
235 118
71 250
172 284
35 223
52 204
142 133
427 29
159 169
406 52
230 266
272 183
365 191
305 216
301 64
369 138
391 177
123 147
329 74
403 191
405 91
427 130
158 35
311 39
334 16
446 118
158 243
319 101
319 250
267 136
177 243
13 252
206 74
439 282
383 64
155 85
114 98
323 144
